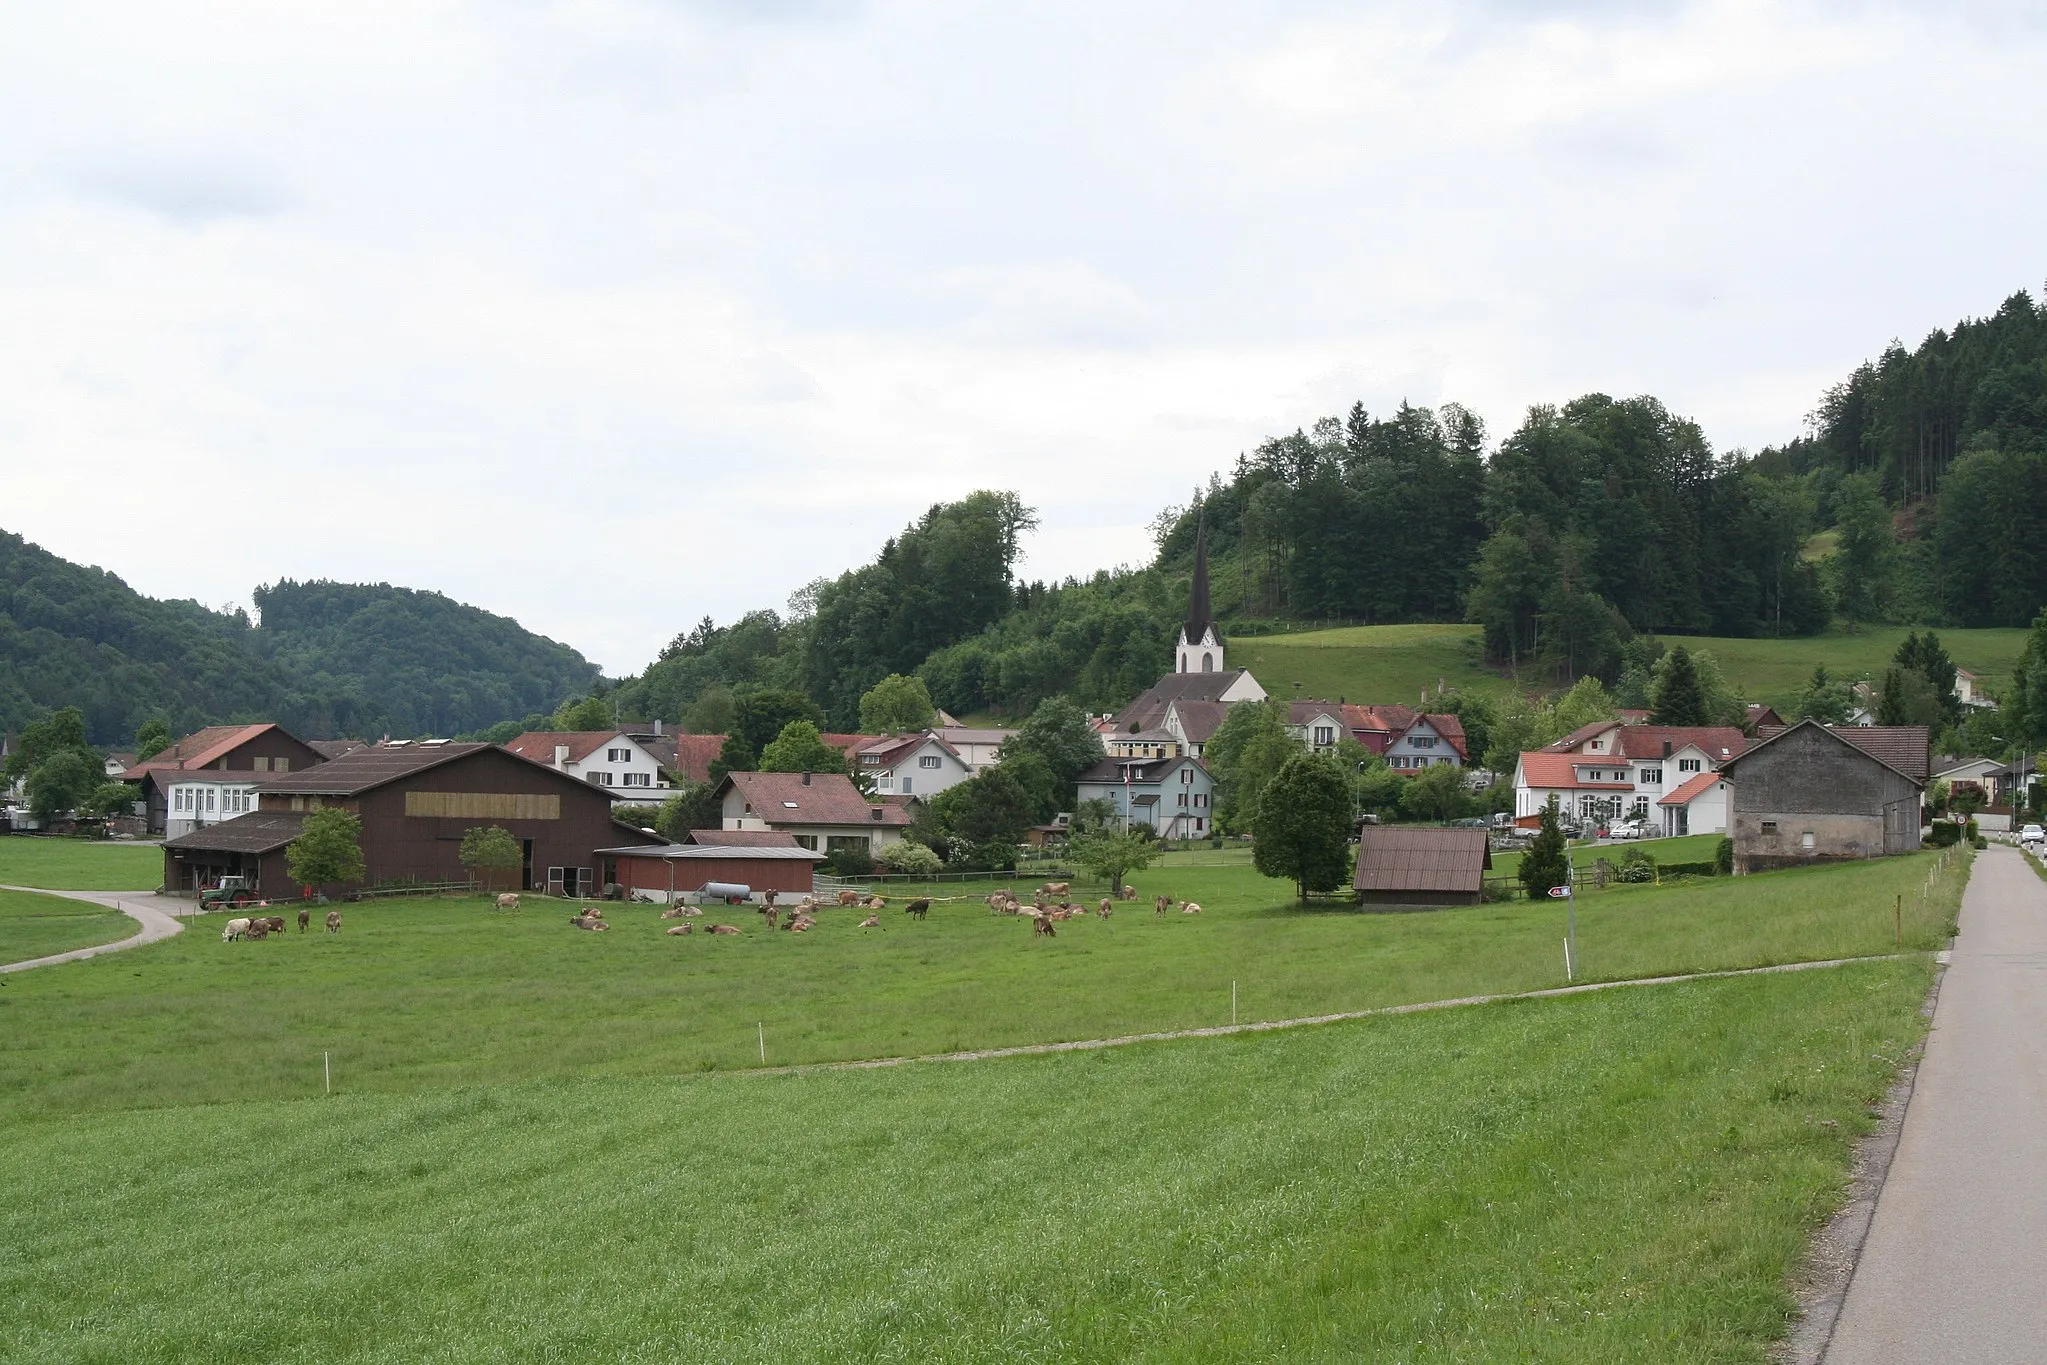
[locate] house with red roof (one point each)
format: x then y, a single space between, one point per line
920 764
1662 775
603 758
211 775
823 812
1407 739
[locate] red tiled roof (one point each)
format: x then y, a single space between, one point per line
1543 769
694 754
828 799
742 838
1391 718
1446 725
199 748
1692 789
539 745
1637 742
1396 858
851 744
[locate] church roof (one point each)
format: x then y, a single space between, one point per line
1148 709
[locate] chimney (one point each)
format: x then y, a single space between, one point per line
657 727
561 755
1666 748
806 779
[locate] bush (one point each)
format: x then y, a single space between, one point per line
1979 841
1943 834
850 862
1723 858
1702 869
910 858
1969 832
1636 868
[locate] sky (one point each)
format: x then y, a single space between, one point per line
612 314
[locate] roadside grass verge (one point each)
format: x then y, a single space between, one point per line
1629 1176
37 926
59 864
424 995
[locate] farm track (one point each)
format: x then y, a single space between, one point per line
1310 1020
157 925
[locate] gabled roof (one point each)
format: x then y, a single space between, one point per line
200 748
1450 727
367 769
1150 704
1694 787
1199 719
335 748
1141 770
1391 718
968 734
539 745
694 755
1301 712
259 831
1405 858
1639 742
1901 748
892 749
827 799
742 838
1542 769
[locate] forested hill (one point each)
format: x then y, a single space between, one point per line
329 659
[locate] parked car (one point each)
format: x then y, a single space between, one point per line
1628 829
2033 834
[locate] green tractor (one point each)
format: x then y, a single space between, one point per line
230 893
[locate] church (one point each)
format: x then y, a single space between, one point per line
1184 709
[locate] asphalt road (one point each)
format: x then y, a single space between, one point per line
140 906
1955 1268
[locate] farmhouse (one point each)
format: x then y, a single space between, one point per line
668 872
1406 738
911 765
415 801
603 758
210 775
1815 793
1418 868
1175 796
1608 771
823 812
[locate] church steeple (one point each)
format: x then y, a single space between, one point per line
1200 648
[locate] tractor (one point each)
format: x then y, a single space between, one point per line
230 892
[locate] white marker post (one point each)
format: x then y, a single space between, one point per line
763 1030
1233 1004
327 1071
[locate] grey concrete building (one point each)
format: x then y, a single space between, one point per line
1815 793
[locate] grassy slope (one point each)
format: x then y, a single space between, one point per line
1393 663
36 926
423 995
79 864
1623 1177
1692 848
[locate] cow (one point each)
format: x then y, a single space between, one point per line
305 918
333 921
681 929
1129 893
258 929
272 924
594 923
768 897
509 901
849 898
871 922
1055 888
1161 905
771 915
802 925
919 908
673 912
1042 924
721 928
692 912
1190 908
874 903
234 929
1103 909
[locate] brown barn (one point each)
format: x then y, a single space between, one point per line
1820 793
669 871
1405 867
416 800
262 749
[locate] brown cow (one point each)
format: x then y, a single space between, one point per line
682 929
1161 905
849 898
333 921
509 901
1042 924
874 903
771 915
1103 908
721 928
305 918
1129 893
591 922
919 908
801 925
871 922
272 924
1055 888
674 912
258 929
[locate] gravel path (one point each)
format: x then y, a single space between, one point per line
157 924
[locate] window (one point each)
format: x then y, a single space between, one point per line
280 765
605 778
808 841
1688 765
1769 829
261 765
928 761
838 842
1197 824
1325 735
1422 741
1653 776
209 798
1186 777
906 784
1183 800
618 756
1805 841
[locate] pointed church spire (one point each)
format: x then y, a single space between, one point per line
1198 622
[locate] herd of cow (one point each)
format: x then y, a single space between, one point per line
263 926
1044 914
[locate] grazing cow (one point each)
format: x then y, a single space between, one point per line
1190 908
871 922
1129 893
1042 924
1103 908
333 921
509 901
919 908
234 929
681 929
305 918
849 898
273 924
771 915
721 928
1055 888
1161 905
258 929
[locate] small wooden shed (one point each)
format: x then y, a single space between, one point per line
1411 868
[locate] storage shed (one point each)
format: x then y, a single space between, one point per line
671 871
1402 867
1818 793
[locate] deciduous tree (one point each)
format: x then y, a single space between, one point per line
896 703
1111 854
489 849
328 849
1303 825
799 749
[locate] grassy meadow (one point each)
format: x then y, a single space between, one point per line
1393 663
37 926
1690 848
79 864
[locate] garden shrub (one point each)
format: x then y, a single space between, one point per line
1723 858
850 862
1636 868
909 858
1943 833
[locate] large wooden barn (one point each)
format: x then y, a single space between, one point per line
416 801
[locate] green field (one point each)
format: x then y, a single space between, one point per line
36 926
1628 1176
1692 848
79 864
1394 663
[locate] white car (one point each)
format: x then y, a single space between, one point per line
2033 834
1628 830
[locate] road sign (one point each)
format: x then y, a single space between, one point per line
1562 892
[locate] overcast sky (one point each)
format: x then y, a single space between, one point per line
608 314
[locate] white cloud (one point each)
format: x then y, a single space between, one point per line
610 313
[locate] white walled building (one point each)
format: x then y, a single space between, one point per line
911 765
1656 773
603 758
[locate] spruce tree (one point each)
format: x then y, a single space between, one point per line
1680 700
1545 864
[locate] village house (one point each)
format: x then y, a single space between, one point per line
416 800
1406 738
211 775
1986 775
603 758
1816 793
823 812
1969 690
1143 744
910 765
1405 867
979 747
1175 796
1608 771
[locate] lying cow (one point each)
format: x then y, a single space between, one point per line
871 922
594 923
682 929
721 928
1190 908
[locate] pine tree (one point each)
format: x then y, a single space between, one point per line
1545 864
1680 700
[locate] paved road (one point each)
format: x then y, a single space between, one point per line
1955 1268
140 906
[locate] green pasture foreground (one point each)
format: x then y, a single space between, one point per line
1394 663
1628 1176
425 995
79 864
37 926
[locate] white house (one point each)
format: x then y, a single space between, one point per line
1655 773
1969 690
1318 724
206 796
1428 741
1175 796
979 748
911 765
824 812
603 758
